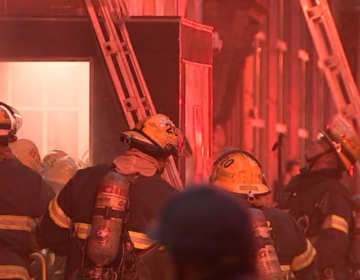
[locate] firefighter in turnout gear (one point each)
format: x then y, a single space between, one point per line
134 182
57 176
24 197
240 173
320 203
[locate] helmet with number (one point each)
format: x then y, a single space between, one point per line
214 157
157 136
61 172
52 157
340 137
10 123
26 151
239 172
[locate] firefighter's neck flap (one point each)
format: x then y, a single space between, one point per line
158 137
134 161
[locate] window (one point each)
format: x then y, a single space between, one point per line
53 98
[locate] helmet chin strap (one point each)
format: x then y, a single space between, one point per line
253 200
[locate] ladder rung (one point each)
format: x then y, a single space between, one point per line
111 47
315 12
145 103
332 62
131 104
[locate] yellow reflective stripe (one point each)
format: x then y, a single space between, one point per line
336 222
82 230
58 215
13 272
141 241
305 259
8 222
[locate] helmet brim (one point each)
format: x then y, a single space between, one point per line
134 135
245 189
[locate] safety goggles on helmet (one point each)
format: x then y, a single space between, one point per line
239 172
157 135
10 122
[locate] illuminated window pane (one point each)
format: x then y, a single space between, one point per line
54 99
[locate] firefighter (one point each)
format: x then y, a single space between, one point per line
208 235
151 142
24 197
320 203
57 176
241 174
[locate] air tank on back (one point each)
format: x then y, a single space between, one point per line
108 219
267 260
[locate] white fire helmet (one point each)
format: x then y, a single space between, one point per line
60 173
52 157
26 151
10 122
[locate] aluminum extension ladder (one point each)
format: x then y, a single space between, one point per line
124 68
332 58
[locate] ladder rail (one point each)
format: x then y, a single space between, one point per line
333 61
122 12
113 12
120 56
336 43
108 59
348 102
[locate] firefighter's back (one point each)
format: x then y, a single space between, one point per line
147 197
23 198
295 252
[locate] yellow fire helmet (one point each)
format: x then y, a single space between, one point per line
239 172
10 122
157 135
342 137
26 151
52 157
